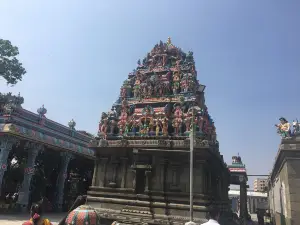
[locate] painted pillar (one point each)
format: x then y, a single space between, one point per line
33 151
6 144
65 159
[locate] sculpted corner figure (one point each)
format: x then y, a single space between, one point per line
283 128
296 127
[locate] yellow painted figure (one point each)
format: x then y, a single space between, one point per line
283 128
157 129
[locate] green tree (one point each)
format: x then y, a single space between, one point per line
10 67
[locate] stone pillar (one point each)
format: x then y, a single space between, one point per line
6 144
95 175
205 180
243 201
133 172
124 164
199 177
163 174
158 166
148 177
101 173
209 180
60 184
33 151
113 180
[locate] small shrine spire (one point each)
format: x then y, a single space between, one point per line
169 42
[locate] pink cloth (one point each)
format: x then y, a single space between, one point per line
27 223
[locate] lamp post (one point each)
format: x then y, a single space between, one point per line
192 166
192 133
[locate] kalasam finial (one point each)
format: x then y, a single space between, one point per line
169 42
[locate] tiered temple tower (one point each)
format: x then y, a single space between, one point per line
141 173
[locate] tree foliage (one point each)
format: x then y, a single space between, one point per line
10 67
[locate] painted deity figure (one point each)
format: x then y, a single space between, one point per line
150 91
176 83
187 122
165 127
164 60
157 128
151 125
122 122
127 129
178 64
104 124
177 119
176 126
136 88
134 126
185 84
123 93
283 128
296 127
136 92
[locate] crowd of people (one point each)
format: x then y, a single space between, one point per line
37 218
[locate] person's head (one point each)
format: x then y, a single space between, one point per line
235 217
214 213
35 213
282 120
249 217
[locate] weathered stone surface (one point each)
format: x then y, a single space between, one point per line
285 205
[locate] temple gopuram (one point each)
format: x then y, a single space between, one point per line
39 158
141 173
238 176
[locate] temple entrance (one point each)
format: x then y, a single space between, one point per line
140 181
43 183
80 172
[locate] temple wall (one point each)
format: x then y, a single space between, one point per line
284 185
167 174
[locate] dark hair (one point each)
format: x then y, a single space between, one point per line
213 213
235 216
35 213
249 217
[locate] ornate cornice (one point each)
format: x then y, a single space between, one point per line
33 135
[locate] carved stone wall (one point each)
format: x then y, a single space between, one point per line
284 185
165 183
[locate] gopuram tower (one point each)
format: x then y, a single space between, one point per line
142 170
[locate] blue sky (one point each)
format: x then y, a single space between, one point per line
77 54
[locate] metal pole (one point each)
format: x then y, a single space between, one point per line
191 166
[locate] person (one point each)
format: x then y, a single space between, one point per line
36 216
267 218
260 216
235 218
249 220
214 215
